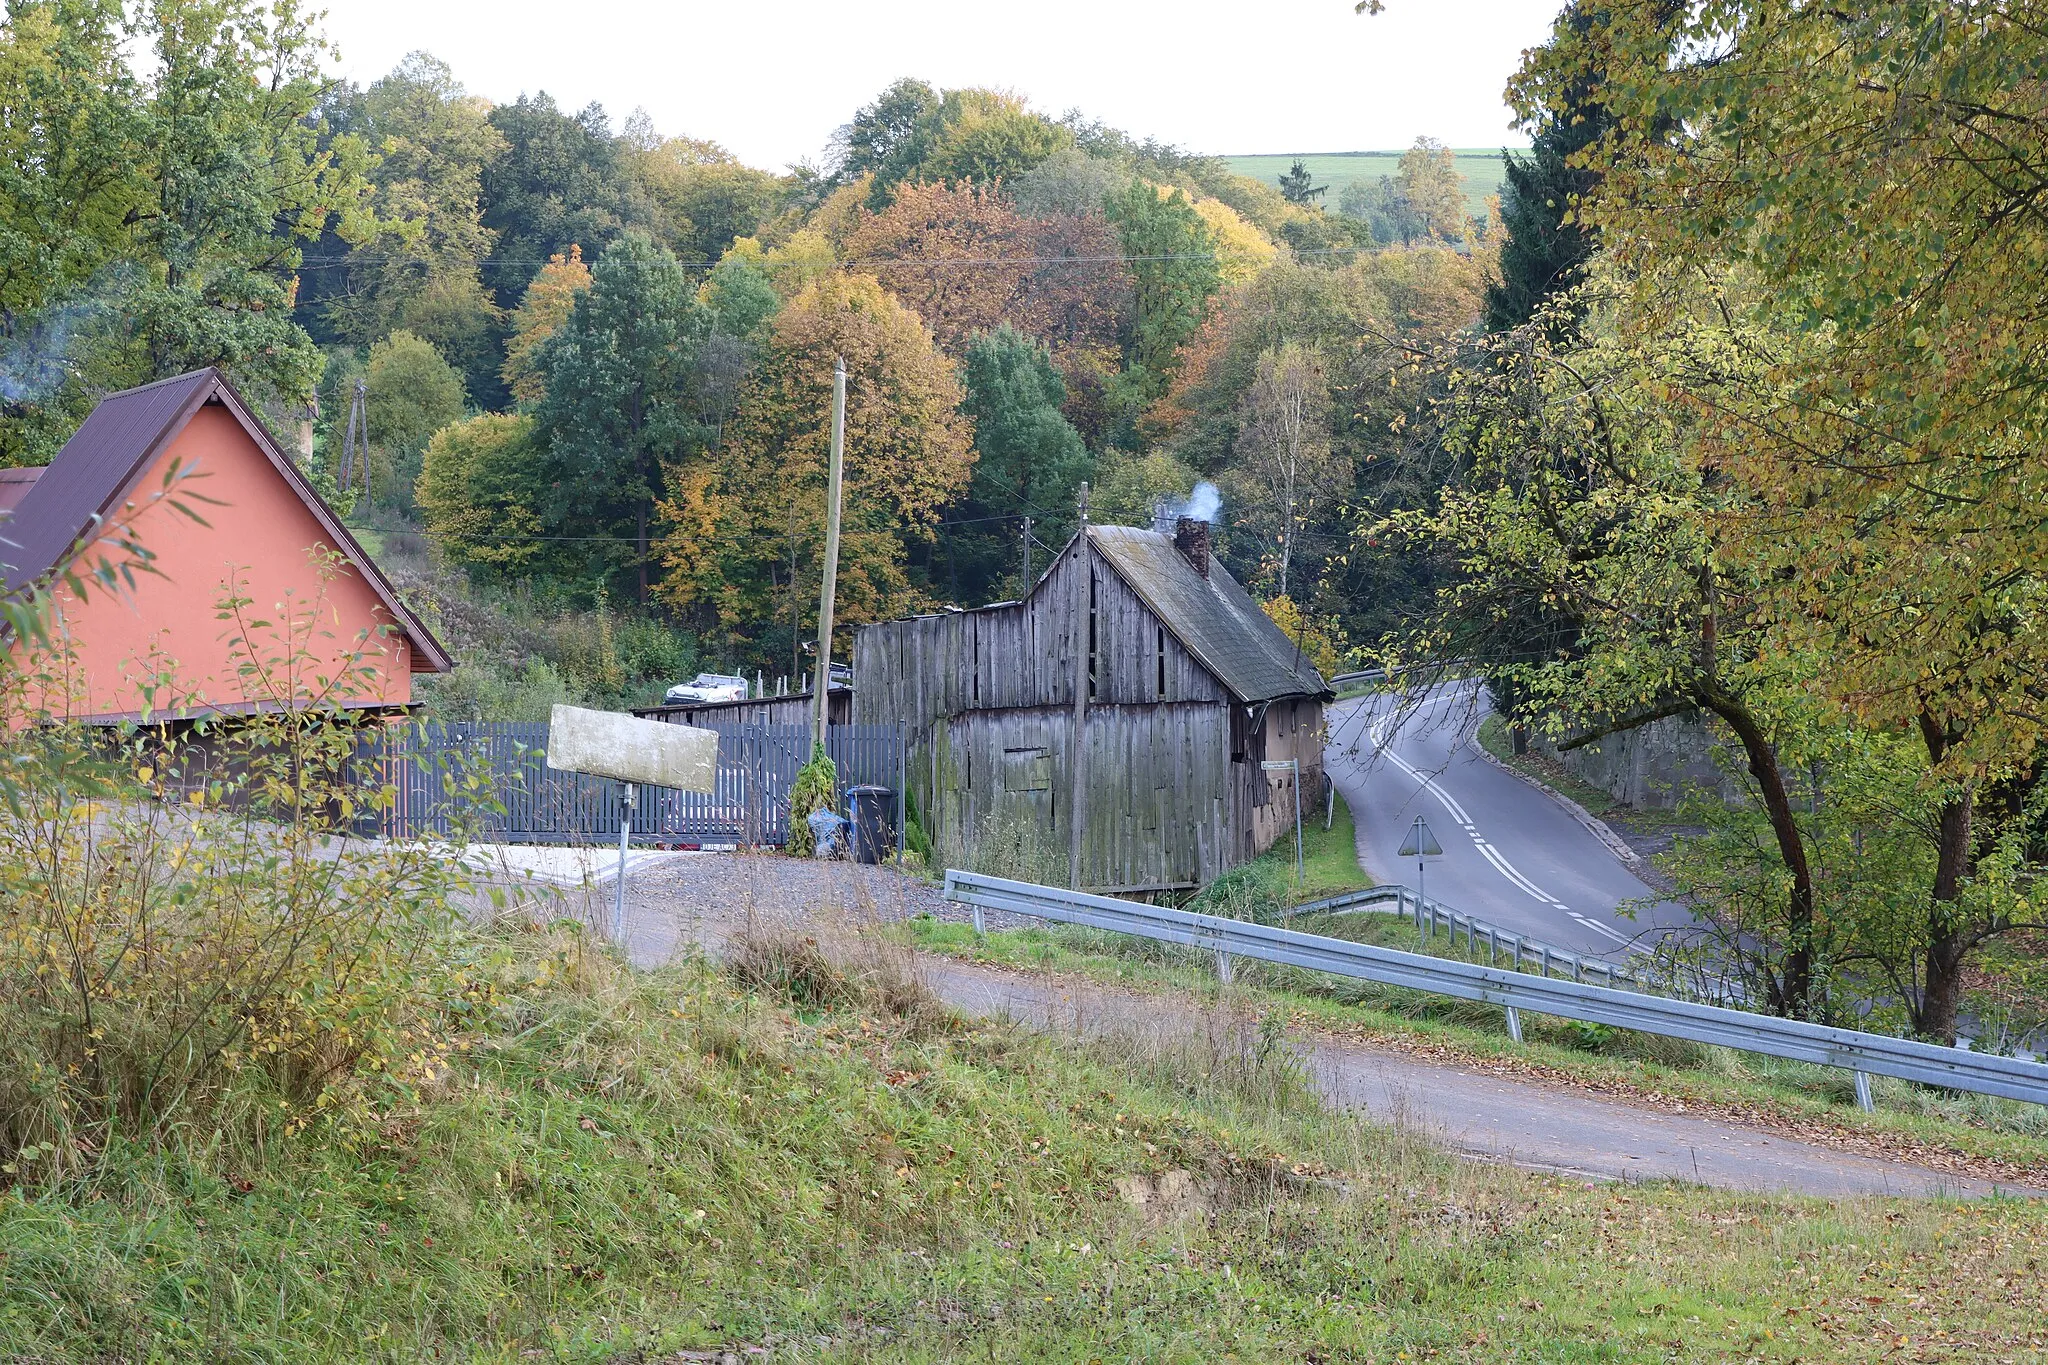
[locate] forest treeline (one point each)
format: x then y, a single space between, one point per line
594 359
1732 407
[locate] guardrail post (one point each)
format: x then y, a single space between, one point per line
1863 1092
1546 959
1492 946
1223 967
979 928
1514 1023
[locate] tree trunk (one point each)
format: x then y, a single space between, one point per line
1791 987
640 540
1947 945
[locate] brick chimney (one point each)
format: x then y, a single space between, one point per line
1191 538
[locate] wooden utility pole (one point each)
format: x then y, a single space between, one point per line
1077 741
822 688
358 432
1024 584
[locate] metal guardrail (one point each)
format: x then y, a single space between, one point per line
1520 950
1864 1054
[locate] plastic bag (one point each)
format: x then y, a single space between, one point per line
829 834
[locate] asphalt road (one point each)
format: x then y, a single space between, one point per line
1508 1118
1512 853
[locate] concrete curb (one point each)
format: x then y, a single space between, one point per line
1595 826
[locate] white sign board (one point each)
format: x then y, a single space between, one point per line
607 744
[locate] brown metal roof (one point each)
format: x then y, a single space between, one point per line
99 468
14 485
1213 617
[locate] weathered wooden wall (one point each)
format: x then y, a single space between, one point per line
1265 809
1158 793
1022 655
1174 792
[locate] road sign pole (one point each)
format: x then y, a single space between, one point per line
625 837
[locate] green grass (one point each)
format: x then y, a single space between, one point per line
1479 166
622 1167
1329 856
1795 1092
627 1167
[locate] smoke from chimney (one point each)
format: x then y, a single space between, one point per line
1204 504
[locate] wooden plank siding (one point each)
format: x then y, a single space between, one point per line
1173 791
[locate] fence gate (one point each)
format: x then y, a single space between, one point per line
447 777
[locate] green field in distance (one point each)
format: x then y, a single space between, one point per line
1479 166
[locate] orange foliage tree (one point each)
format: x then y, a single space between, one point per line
747 525
946 251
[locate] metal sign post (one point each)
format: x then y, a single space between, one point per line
1420 844
626 790
1293 765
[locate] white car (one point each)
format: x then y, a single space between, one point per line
707 687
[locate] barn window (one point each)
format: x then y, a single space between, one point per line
1161 655
1027 770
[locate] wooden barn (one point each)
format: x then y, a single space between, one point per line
1136 655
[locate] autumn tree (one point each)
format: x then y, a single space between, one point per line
1433 191
420 272
1595 584
411 394
1864 185
151 227
479 494
562 181
702 195
1172 254
944 252
620 405
1285 469
747 526
546 305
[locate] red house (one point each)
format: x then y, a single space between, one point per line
185 467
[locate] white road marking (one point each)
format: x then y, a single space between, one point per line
1601 928
1377 733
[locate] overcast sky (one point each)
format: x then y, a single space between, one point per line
771 81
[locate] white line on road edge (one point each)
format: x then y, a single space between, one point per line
1377 734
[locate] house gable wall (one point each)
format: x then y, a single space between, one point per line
258 534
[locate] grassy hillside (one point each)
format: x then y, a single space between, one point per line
802 1158
1480 166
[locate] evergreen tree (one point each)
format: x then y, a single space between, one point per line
620 403
1030 462
1298 186
1543 253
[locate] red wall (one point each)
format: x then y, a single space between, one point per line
258 534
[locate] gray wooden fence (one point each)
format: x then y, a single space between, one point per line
427 766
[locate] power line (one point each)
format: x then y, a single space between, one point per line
936 261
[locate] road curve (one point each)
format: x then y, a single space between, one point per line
1513 854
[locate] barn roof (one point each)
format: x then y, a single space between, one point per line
100 467
1212 616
